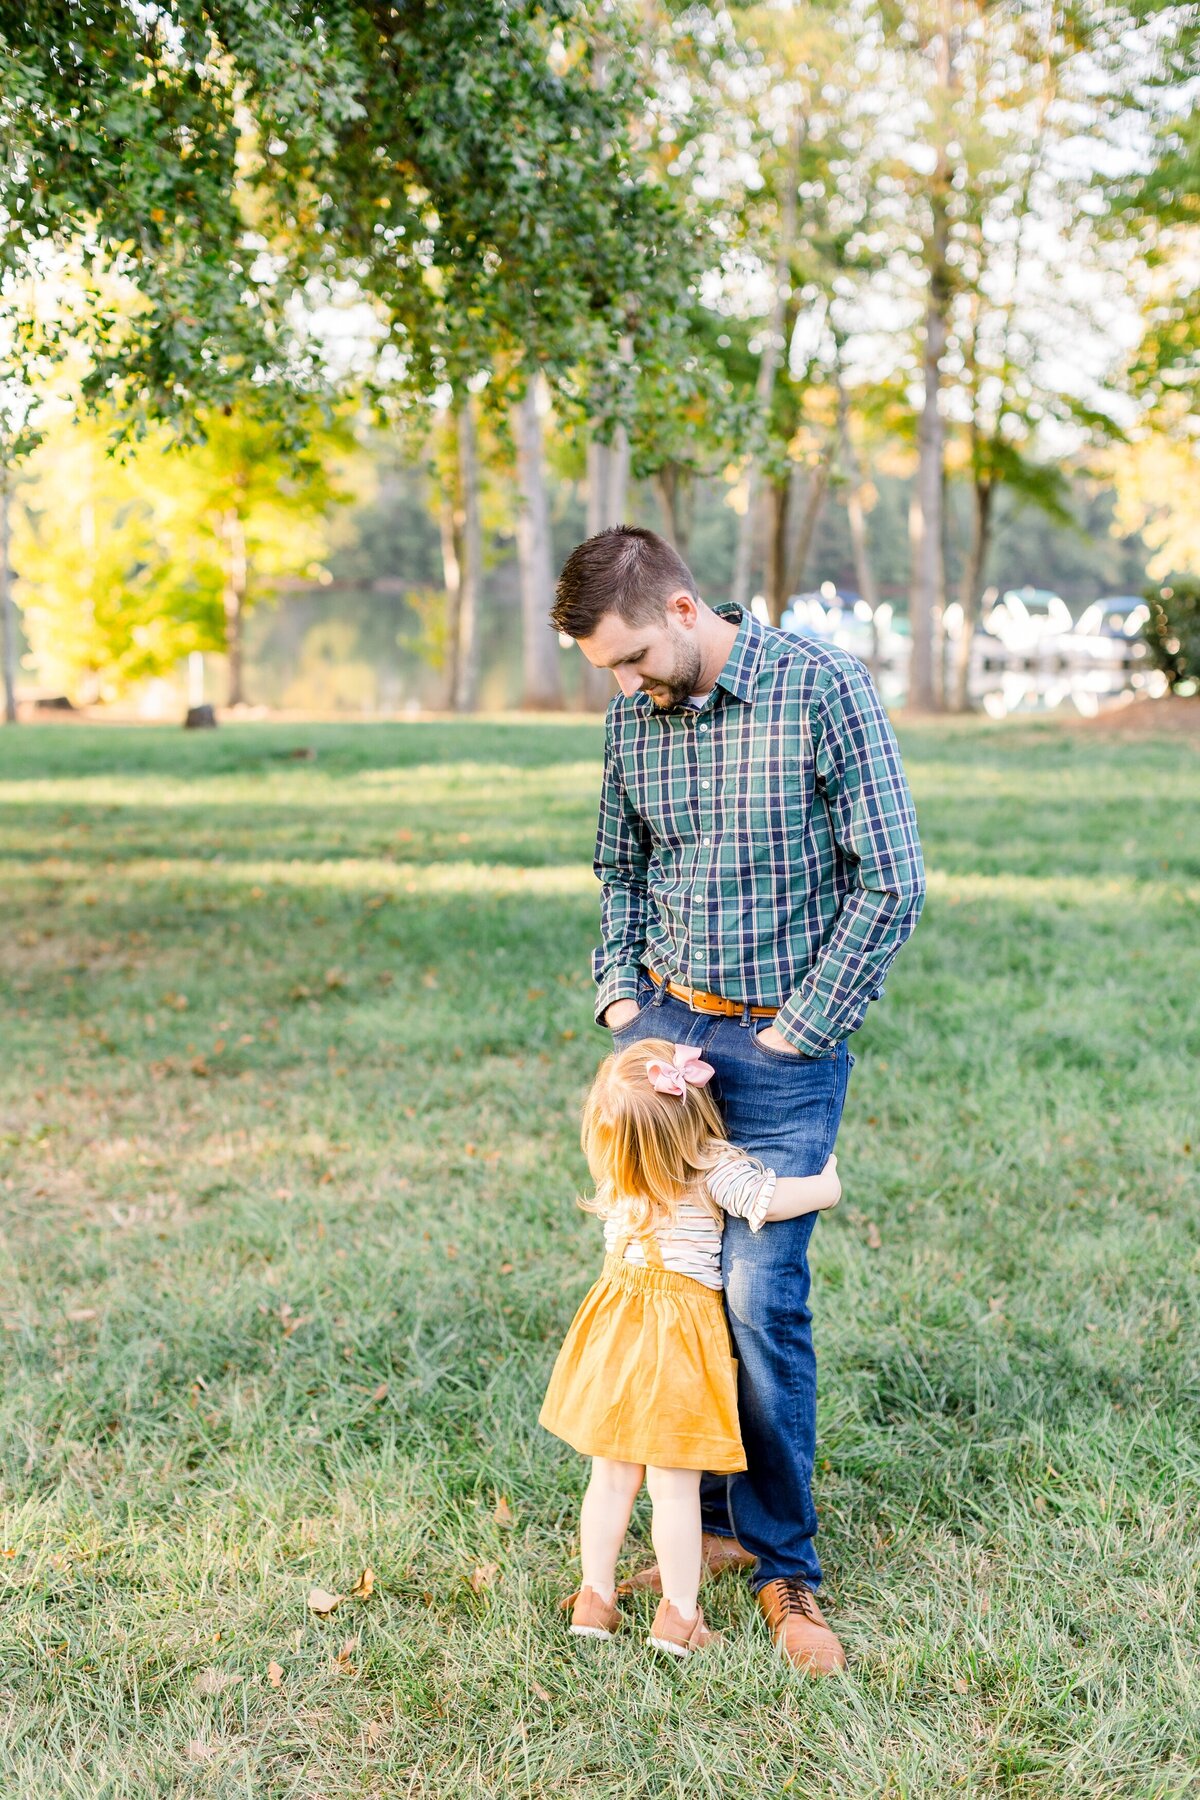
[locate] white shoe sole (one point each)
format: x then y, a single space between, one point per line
671 1649
596 1631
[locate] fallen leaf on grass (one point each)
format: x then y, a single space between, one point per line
483 1577
79 1315
199 1066
537 1688
275 1674
503 1513
380 1392
322 1602
961 1685
342 1659
364 1587
200 1750
212 1682
375 1731
874 1241
506 1268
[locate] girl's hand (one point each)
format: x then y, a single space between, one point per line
796 1194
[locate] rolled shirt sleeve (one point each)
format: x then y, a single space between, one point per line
742 1186
859 774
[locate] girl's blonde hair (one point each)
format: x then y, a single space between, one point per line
645 1149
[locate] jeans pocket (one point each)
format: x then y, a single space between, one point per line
796 1057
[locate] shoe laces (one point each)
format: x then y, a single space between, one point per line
797 1596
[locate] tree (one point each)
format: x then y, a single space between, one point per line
128 565
487 198
131 138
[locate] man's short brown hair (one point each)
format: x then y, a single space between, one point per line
625 570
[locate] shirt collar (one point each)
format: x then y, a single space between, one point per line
740 671
741 665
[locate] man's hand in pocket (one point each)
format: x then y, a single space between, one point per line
621 1012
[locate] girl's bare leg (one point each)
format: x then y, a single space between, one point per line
604 1520
675 1530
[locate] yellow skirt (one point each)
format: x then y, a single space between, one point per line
645 1374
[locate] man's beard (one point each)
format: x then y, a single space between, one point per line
683 681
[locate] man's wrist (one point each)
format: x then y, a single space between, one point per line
809 1037
618 984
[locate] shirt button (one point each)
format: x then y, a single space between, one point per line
708 840
704 784
704 728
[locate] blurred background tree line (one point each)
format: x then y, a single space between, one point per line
371 310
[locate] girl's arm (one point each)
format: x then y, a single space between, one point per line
796 1194
741 1185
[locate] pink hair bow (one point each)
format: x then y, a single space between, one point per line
673 1077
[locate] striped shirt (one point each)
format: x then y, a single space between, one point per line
763 845
690 1243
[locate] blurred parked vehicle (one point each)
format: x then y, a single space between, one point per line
1109 630
843 617
1025 618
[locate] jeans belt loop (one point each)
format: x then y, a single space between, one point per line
747 1017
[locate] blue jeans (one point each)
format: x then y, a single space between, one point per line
785 1109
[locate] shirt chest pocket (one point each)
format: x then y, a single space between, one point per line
766 787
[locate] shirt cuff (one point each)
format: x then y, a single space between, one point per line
619 984
756 1218
806 1030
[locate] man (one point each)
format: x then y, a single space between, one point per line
760 868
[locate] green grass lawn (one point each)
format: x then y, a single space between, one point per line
292 1056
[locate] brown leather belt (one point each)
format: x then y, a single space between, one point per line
710 1003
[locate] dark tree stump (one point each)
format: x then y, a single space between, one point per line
200 718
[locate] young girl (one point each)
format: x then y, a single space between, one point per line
645 1383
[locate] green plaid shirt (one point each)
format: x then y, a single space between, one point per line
764 846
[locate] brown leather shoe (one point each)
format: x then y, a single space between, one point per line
716 1555
592 1615
798 1627
679 1636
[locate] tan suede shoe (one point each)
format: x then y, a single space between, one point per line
679 1636
716 1555
593 1616
798 1627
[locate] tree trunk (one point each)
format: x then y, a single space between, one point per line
969 592
452 579
772 355
806 528
864 573
927 597
8 614
598 458
597 687
541 676
778 499
466 666
233 533
676 495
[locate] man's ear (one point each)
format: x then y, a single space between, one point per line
683 606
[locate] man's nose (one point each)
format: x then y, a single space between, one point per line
628 680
